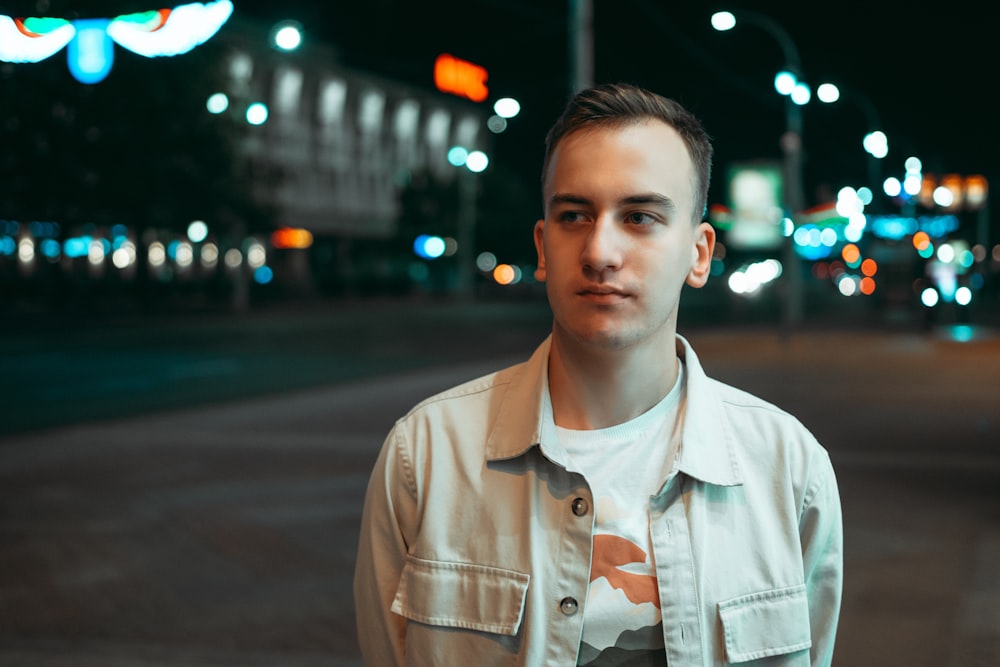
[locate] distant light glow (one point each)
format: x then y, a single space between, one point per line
428 247
507 274
963 296
801 94
912 184
184 255
120 258
50 248
946 253
156 254
496 124
943 196
287 35
748 279
828 93
96 251
929 297
477 161
851 254
867 286
723 21
26 250
291 238
263 275
486 261
962 333
966 258
913 165
217 103
847 285
185 27
256 255
876 143
507 107
197 231
785 82
257 113
49 39
892 187
209 255
457 155
233 258
91 53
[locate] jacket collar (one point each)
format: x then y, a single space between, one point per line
524 420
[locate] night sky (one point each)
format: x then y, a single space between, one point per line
929 73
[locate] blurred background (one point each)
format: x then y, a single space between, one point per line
238 239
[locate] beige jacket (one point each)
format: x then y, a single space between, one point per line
475 543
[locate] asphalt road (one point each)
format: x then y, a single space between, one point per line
219 527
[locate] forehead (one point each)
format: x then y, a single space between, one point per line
647 156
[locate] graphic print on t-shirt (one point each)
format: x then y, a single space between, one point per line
623 591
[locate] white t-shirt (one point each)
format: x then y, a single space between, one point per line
625 465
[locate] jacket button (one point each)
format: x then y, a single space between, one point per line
568 606
580 506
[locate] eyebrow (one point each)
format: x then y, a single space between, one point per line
643 198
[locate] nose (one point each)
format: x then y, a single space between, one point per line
602 249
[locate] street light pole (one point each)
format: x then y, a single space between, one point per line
791 148
581 44
467 186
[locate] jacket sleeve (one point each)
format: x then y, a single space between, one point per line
382 547
821 532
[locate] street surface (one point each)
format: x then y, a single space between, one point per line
189 492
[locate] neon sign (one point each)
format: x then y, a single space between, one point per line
163 32
460 77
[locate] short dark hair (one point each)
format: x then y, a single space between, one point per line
618 104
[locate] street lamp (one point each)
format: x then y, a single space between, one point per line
796 93
287 35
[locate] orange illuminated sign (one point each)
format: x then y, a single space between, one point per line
291 237
459 77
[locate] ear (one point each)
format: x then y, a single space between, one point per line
540 249
701 255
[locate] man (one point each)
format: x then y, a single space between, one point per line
604 503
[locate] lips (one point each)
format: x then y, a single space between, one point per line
603 295
602 290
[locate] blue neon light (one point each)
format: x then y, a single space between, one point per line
90 53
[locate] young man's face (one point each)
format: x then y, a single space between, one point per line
618 240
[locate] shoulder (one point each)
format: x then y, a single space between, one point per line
465 396
770 438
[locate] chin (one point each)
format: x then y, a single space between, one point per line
608 338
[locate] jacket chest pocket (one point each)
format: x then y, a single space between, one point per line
765 624
461 595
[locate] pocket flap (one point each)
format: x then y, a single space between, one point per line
768 623
461 595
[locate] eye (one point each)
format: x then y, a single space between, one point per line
639 218
569 216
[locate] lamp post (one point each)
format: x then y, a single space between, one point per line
796 94
580 26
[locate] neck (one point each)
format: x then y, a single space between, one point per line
595 388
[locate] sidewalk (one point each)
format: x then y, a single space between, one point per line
224 534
